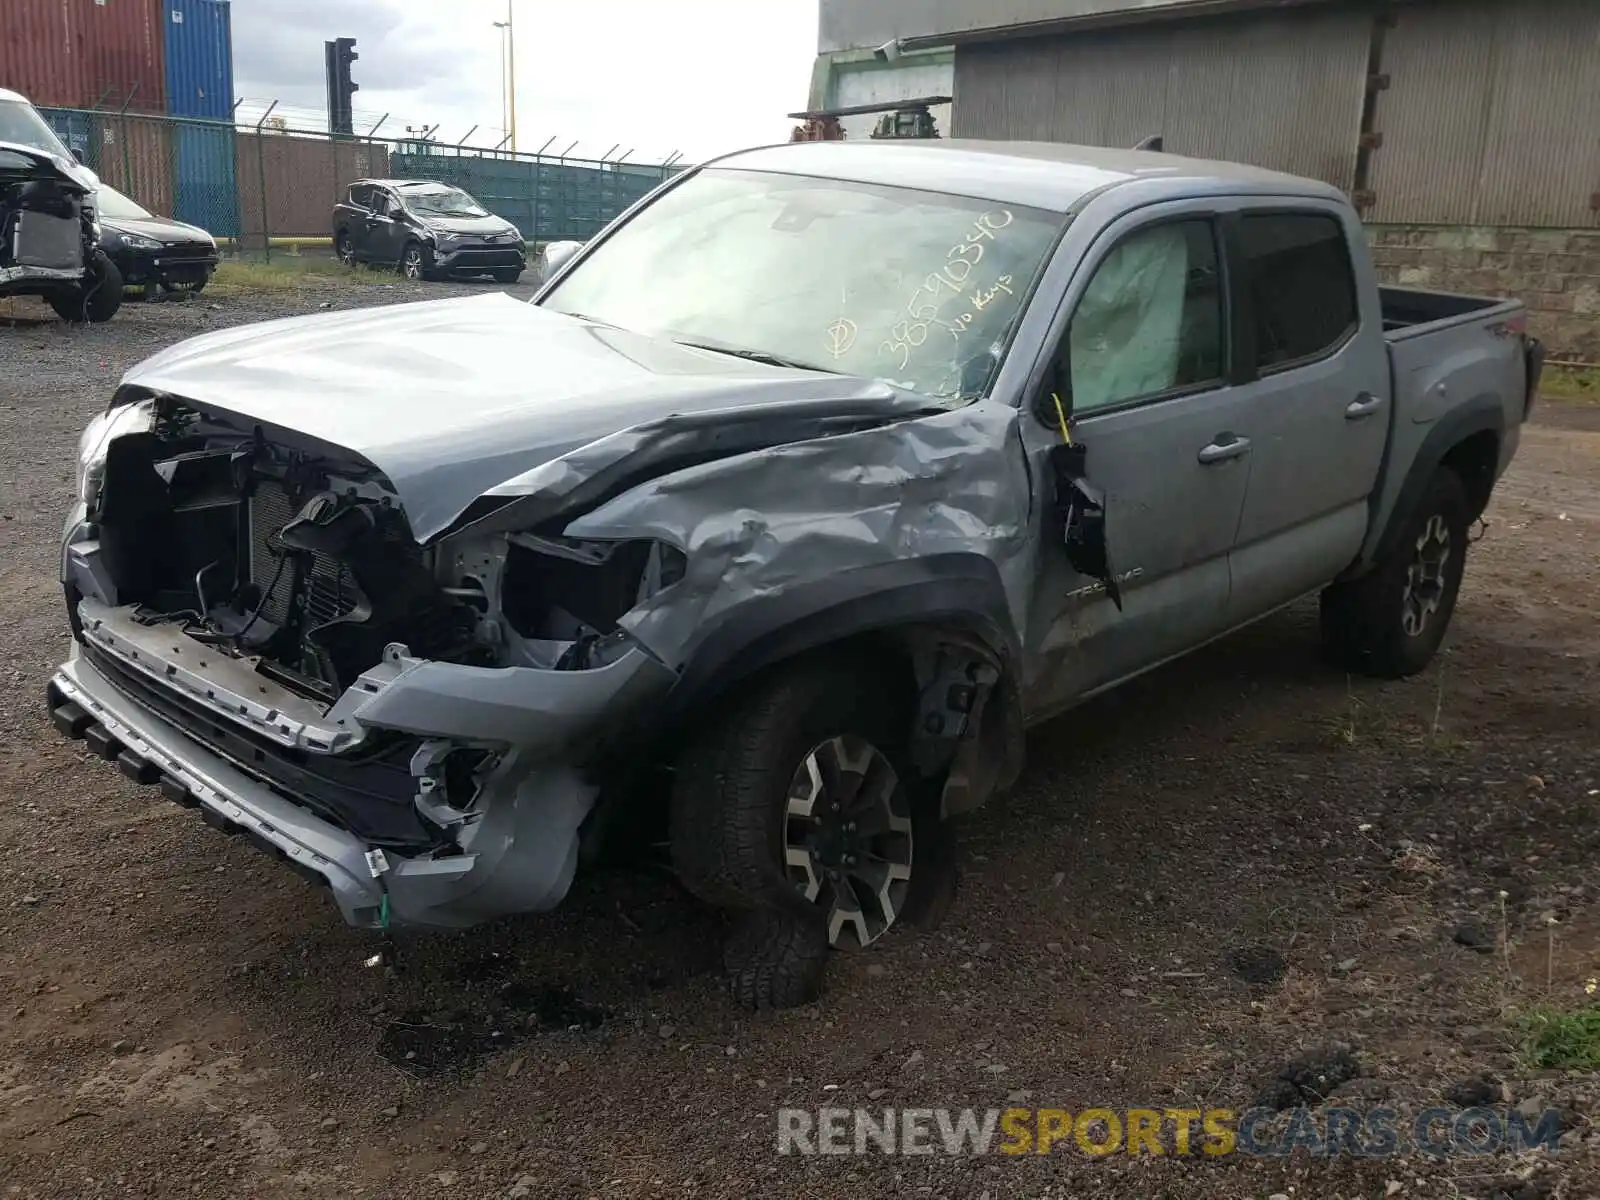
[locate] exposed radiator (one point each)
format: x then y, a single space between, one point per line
46 241
330 591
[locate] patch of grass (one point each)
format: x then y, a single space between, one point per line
1565 1040
237 277
1571 385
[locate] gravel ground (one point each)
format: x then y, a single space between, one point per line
179 1016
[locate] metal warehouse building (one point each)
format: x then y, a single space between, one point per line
1466 131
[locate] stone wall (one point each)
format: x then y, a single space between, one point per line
1555 272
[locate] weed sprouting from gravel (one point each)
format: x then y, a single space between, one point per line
1562 1040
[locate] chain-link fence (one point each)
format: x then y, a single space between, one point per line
253 187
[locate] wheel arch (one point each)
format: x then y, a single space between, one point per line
942 622
1468 441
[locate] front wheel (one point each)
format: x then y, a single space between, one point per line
416 261
1391 622
799 809
97 299
508 274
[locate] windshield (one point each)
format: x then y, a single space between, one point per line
114 204
441 201
21 125
915 288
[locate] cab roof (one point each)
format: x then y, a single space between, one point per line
1047 175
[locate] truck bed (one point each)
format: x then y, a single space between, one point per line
1448 354
1409 312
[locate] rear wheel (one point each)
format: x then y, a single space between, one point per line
345 248
799 809
1391 622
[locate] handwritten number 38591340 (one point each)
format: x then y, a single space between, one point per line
949 280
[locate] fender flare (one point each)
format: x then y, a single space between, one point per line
957 590
1481 414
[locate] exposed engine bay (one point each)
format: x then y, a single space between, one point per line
301 564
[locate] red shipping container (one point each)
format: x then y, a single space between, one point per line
79 53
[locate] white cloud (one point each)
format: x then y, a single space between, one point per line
699 76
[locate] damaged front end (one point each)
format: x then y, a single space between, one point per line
47 224
408 723
433 697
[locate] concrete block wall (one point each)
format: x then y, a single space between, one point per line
1555 272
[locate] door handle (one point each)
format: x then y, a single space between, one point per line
1224 448
1363 405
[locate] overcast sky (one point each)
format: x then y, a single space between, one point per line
700 76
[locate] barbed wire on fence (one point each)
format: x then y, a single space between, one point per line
254 183
488 138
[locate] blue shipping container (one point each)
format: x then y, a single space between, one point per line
206 192
199 46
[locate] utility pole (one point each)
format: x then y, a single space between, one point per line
508 77
505 105
511 69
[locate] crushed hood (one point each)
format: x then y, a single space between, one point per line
451 399
476 225
42 164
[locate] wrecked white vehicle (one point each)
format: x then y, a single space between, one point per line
775 517
49 228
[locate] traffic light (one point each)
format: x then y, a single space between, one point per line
340 53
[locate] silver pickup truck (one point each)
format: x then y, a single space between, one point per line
768 526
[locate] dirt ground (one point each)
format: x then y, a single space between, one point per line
181 1017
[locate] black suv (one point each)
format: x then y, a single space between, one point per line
428 230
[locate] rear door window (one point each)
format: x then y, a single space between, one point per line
1302 286
361 195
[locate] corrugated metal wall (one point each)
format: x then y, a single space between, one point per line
83 53
199 52
1492 116
37 55
1281 90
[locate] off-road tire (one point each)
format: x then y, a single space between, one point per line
727 811
1363 620
775 960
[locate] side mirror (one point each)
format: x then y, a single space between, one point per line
1080 505
77 156
557 255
